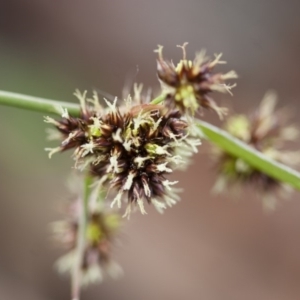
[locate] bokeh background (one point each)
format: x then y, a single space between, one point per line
206 247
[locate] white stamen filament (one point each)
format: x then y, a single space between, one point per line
138 121
51 121
168 183
146 189
96 122
95 102
112 106
177 159
194 143
159 51
161 150
137 90
82 99
114 164
183 47
87 148
53 151
163 168
127 144
63 111
229 75
158 205
169 201
98 159
117 200
217 60
222 88
129 181
140 160
200 58
156 124
117 136
67 140
140 203
127 211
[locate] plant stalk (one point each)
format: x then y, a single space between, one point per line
36 104
81 241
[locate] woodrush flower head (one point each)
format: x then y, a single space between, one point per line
130 149
266 131
188 85
101 230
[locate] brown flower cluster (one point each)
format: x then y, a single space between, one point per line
266 131
187 86
101 230
128 149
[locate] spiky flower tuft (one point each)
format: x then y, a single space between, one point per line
101 230
129 149
266 131
187 86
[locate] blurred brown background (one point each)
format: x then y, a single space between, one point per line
206 247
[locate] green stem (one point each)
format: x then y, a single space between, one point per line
36 103
80 245
253 157
212 133
47 105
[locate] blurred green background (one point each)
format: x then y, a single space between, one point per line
205 247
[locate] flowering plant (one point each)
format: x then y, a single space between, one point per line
125 150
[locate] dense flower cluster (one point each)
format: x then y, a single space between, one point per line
101 230
130 149
266 131
187 86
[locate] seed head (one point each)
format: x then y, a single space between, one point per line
188 85
130 150
266 131
102 228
